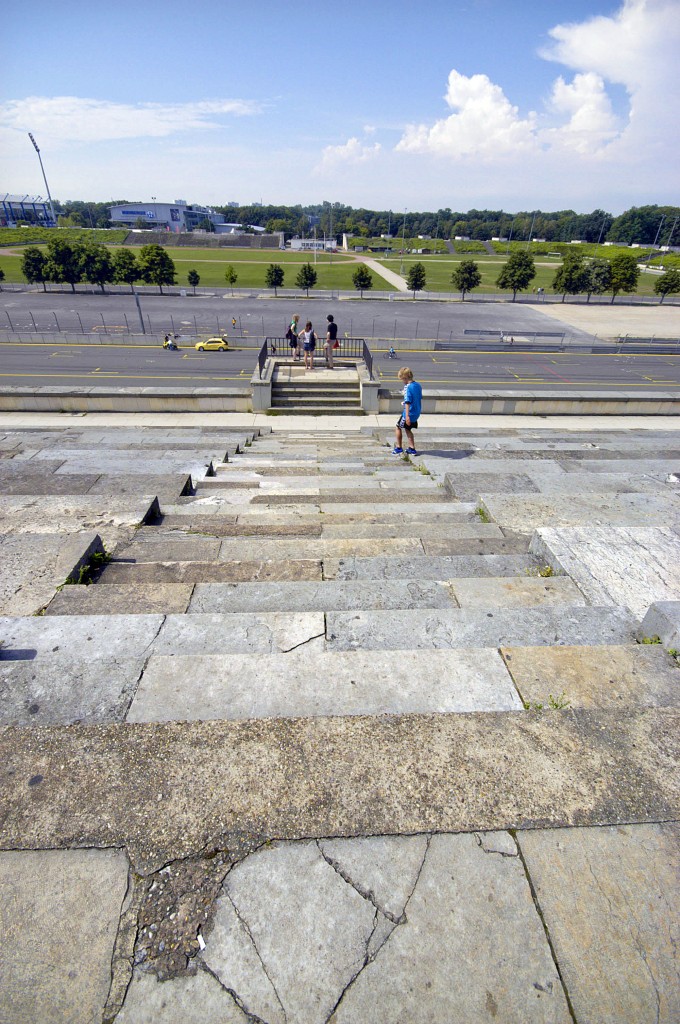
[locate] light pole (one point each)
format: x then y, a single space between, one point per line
35 147
330 232
403 243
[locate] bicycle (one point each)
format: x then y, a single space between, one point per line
390 354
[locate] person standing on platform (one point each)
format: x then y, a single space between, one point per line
308 338
292 336
408 421
331 340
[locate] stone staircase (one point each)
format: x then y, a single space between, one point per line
301 637
316 392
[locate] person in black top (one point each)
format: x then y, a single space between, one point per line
331 340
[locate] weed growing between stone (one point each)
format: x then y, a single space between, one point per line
544 571
88 571
650 640
554 703
483 514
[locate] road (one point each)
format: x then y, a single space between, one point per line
87 365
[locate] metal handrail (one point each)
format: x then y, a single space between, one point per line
262 357
368 359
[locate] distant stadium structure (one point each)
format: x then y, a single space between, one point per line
178 216
16 210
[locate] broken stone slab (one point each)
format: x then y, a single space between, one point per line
192 999
321 548
240 631
43 896
663 620
595 677
62 689
427 567
340 595
32 567
527 592
199 785
139 599
170 549
307 958
131 573
632 566
456 958
92 637
609 898
74 513
588 510
474 627
359 684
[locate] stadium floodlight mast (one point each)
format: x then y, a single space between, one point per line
35 147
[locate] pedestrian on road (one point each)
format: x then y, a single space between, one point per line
292 335
411 404
308 344
331 340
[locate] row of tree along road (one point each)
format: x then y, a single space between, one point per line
65 262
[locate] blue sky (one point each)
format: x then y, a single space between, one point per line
466 103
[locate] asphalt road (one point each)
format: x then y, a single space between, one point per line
93 315
88 365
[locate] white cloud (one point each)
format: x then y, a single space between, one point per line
591 119
74 119
351 152
485 123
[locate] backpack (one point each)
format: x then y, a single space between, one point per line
289 334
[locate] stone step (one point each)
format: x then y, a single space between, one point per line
429 567
421 496
131 573
116 599
332 512
211 598
384 683
478 627
605 509
227 526
316 410
33 565
170 548
277 548
525 592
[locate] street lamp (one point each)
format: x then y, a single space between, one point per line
35 147
403 244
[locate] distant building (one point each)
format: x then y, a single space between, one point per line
312 244
177 217
26 209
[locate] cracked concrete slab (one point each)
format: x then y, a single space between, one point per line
59 912
458 957
309 928
215 634
595 677
200 786
307 682
383 869
632 566
609 897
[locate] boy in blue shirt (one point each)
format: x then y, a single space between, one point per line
411 403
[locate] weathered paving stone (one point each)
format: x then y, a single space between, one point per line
430 532
188 1000
167 549
662 620
33 566
362 684
261 548
166 487
211 572
457 956
513 545
62 689
469 486
87 637
427 567
47 900
46 483
214 634
595 677
73 513
588 510
632 566
524 591
472 627
339 595
227 526
613 892
139 599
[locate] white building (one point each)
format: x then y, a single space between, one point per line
178 216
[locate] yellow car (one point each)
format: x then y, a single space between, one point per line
212 345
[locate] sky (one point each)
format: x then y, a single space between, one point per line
487 104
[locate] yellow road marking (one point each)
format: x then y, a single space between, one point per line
127 376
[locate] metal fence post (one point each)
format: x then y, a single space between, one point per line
416 334
33 322
82 329
11 327
55 320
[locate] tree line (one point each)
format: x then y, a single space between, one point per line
644 225
64 262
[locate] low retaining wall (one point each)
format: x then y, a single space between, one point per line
539 403
54 399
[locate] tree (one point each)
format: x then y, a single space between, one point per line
597 278
231 277
625 274
571 277
416 278
465 277
64 262
193 277
362 279
518 273
205 224
274 277
667 284
97 264
125 267
306 277
34 266
156 266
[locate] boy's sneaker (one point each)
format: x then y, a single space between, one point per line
411 451
397 451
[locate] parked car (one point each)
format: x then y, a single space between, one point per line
212 345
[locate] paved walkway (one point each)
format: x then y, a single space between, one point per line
393 279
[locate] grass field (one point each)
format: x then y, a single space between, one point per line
333 272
